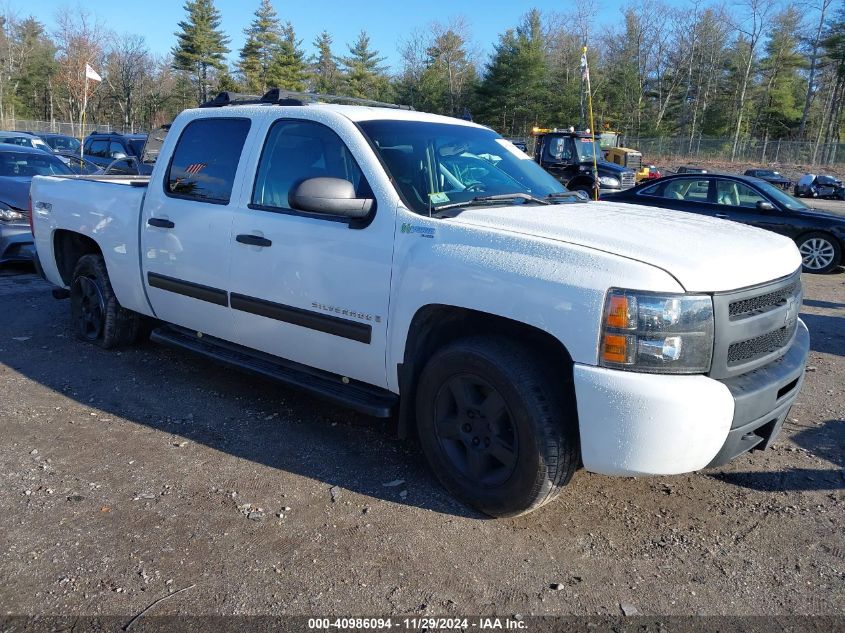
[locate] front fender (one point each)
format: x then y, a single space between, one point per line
553 286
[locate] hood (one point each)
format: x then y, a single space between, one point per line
14 192
611 168
704 254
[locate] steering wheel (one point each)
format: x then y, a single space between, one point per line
475 187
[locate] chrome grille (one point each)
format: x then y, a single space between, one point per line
628 179
754 326
760 346
762 303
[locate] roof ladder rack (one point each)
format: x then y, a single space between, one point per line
231 99
280 96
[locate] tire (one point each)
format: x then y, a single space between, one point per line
820 252
96 315
523 457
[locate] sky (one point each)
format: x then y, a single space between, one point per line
387 21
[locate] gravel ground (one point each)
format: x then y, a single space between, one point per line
127 476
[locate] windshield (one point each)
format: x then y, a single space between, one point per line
767 173
587 148
781 197
17 165
438 164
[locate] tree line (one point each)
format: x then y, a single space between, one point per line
762 69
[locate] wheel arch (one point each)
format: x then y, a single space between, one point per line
68 248
437 325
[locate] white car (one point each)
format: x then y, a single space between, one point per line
420 266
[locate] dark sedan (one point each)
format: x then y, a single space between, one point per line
770 175
820 236
17 167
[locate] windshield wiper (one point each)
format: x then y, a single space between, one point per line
481 200
567 194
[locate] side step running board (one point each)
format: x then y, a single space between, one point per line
355 395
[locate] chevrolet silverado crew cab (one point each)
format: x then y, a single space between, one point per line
418 266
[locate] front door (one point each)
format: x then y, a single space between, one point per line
738 201
308 287
186 226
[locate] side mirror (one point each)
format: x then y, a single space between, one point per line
330 196
118 156
763 205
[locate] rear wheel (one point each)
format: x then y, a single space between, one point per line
820 253
497 431
97 316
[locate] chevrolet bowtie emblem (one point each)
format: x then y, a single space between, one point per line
791 311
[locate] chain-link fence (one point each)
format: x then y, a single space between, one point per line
748 150
56 127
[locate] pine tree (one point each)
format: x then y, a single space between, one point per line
288 68
511 94
324 67
782 86
263 40
201 45
365 76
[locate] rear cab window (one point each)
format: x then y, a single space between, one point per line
205 160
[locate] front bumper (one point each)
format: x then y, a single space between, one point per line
762 399
16 243
655 424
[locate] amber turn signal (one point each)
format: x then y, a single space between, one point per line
618 348
619 311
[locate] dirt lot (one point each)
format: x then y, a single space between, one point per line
127 476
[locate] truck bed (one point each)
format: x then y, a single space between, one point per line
108 215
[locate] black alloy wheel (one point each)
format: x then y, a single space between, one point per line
474 427
89 308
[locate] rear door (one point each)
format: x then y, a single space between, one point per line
186 223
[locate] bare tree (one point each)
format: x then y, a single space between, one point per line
814 61
128 67
753 28
79 40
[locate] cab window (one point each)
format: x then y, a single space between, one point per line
98 148
298 150
688 189
116 148
736 194
206 159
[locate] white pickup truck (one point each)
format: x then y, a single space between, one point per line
422 267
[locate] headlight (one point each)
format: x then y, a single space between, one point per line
656 333
10 215
609 181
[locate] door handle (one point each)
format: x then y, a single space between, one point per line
722 215
253 240
161 223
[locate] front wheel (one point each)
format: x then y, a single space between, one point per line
498 432
820 253
97 316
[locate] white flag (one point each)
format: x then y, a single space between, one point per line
91 74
